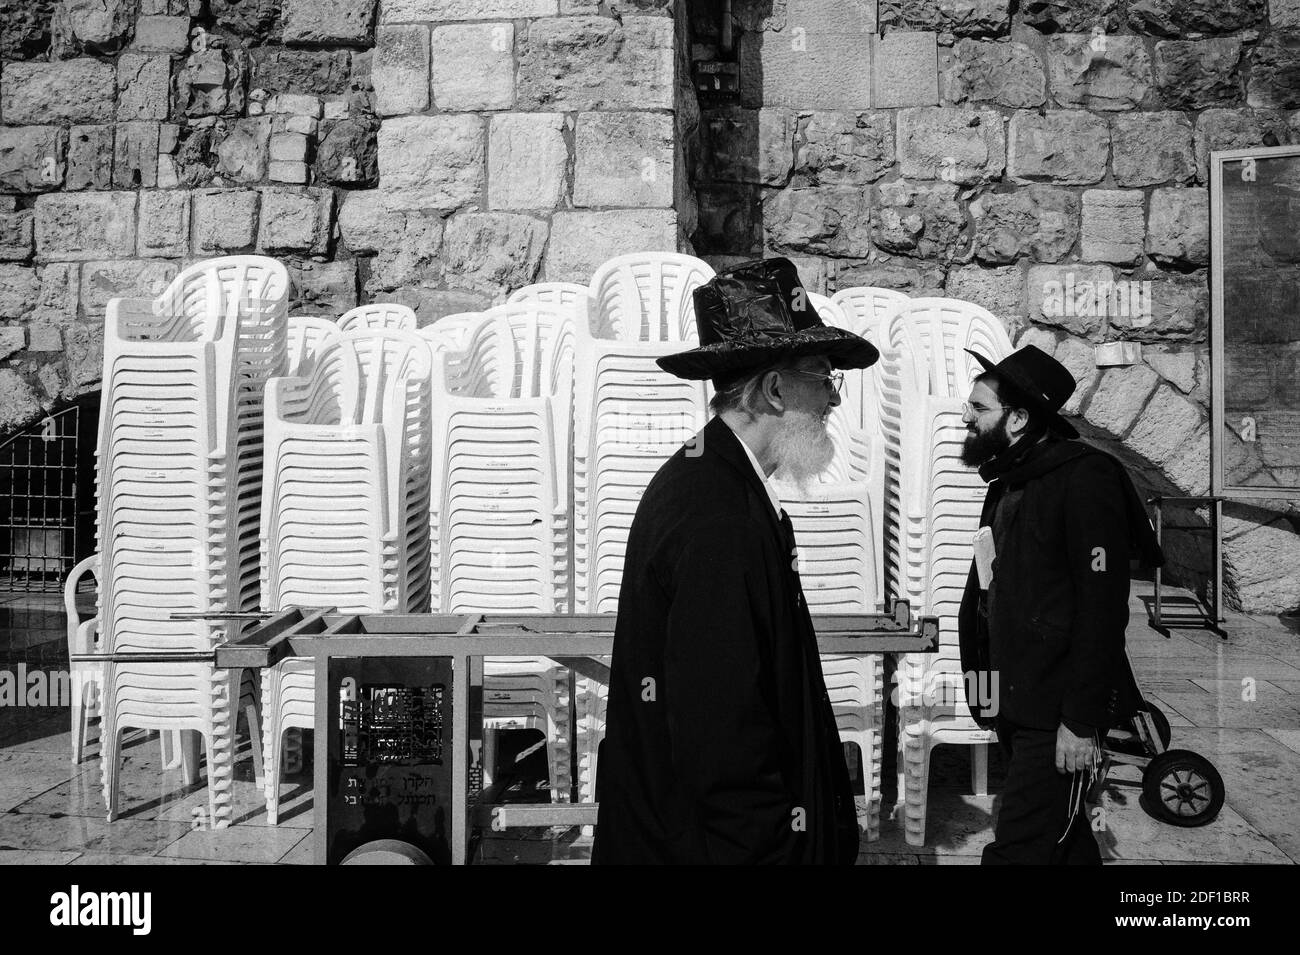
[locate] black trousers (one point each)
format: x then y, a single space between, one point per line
1035 825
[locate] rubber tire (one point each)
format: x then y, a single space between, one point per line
1162 768
1162 724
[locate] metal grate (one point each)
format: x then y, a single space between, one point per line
47 505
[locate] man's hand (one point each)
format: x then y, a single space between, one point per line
1074 753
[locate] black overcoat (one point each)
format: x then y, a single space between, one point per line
1050 631
720 742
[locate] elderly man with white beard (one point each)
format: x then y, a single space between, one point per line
720 744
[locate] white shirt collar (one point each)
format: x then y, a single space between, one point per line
758 469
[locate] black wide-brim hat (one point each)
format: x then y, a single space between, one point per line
1045 383
756 314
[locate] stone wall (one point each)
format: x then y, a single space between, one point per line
439 153
1047 160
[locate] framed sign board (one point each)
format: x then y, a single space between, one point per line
1255 322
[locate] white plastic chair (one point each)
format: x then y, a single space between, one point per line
380 315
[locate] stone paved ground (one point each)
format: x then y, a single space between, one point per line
52 813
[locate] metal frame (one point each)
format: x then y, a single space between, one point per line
1215 617
1218 487
569 639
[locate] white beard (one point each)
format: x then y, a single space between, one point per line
803 449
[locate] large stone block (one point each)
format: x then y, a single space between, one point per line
920 220
1098 72
493 251
1193 74
128 278
1004 73
1117 402
400 69
1040 223
1284 14
164 227
472 66
26 30
349 154
212 82
1259 560
962 18
915 280
135 155
16 239
1175 18
1113 226
91 26
1000 290
243 154
248 18
161 34
329 22
366 225
431 162
580 241
19 287
962 146
1076 298
623 159
143 86
31 158
323 288
1178 227
78 227
90 157
71 91
296 220
843 149
757 145
19 405
1167 423
527 157
585 63
834 220
818 57
224 220
1067 147
1234 129
1176 364
313 72
415 260
411 11
1175 308
1151 148
1072 16
1275 71
904 70
13 339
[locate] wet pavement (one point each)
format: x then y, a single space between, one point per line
1234 701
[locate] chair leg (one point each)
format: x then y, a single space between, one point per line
916 780
79 721
979 769
110 761
186 742
274 737
292 757
249 703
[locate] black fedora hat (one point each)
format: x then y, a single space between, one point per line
758 313
1045 383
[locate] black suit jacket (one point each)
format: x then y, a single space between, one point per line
720 742
1050 630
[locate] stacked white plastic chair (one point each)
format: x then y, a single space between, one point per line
934 503
180 468
378 315
629 417
503 406
345 494
866 310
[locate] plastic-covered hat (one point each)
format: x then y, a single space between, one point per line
758 313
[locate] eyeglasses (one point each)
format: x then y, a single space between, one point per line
977 410
835 380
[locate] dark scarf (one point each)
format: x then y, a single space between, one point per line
1025 461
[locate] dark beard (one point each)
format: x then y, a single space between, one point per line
981 447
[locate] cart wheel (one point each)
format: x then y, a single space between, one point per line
1162 723
1182 788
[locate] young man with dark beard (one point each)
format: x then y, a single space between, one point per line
1049 626
720 744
